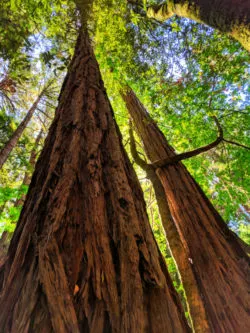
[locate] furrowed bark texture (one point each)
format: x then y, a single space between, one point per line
10 145
218 262
4 243
83 257
229 16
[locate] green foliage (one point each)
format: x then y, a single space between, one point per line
8 220
9 213
8 193
244 232
184 73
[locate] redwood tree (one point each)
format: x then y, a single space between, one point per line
216 277
195 303
229 16
83 257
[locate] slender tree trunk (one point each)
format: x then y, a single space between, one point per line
229 16
8 147
220 267
32 163
83 257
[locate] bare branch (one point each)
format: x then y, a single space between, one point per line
236 144
46 115
192 153
42 122
8 100
232 112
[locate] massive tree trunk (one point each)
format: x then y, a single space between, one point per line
229 16
83 257
219 264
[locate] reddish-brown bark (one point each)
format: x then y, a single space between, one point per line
83 257
220 266
4 243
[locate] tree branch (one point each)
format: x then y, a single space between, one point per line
8 100
236 144
138 160
177 158
46 115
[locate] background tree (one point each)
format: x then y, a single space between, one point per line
203 233
226 15
8 147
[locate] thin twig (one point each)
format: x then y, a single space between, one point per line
177 158
236 144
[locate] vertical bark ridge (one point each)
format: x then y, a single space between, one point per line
220 266
83 251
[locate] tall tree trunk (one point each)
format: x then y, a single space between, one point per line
10 145
229 16
219 264
195 302
83 257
